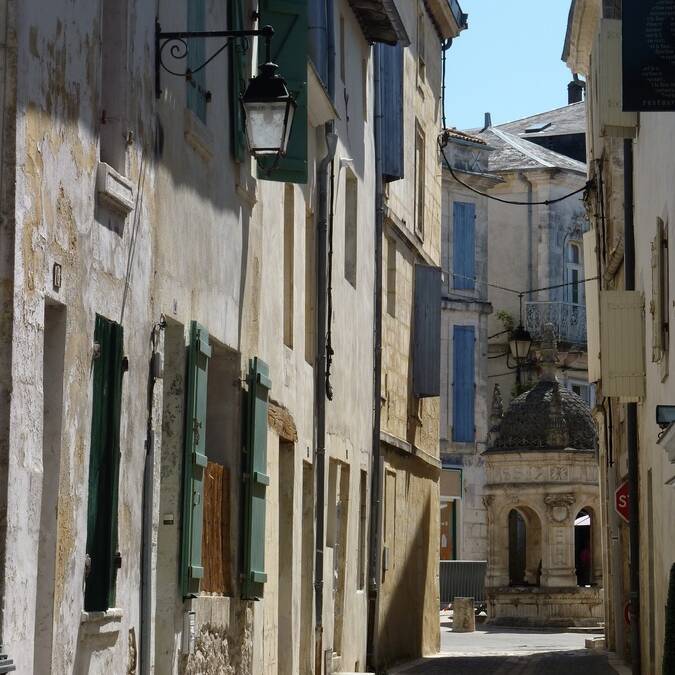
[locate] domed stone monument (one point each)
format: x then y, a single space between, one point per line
542 498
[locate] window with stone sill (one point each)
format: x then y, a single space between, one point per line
420 180
421 47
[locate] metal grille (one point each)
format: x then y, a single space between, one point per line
462 579
568 319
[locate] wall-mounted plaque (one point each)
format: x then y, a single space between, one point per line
648 55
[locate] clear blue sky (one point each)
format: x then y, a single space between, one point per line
507 62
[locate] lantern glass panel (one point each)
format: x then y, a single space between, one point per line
266 126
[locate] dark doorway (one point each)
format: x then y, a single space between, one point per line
517 549
582 548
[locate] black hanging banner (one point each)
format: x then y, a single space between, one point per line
648 55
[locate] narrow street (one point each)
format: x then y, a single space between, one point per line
492 650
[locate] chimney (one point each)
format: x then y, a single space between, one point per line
488 121
575 90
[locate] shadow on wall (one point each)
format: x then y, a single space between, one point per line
401 633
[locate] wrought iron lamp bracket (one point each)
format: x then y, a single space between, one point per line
177 44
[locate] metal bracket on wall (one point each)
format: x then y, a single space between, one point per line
180 50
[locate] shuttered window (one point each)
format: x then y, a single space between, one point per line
463 245
194 460
659 306
104 459
427 332
256 480
196 84
391 88
235 19
289 52
463 384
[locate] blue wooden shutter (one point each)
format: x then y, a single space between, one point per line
427 332
196 87
463 385
391 88
463 245
318 38
235 18
104 461
194 460
289 52
256 480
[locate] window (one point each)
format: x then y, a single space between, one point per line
421 44
289 262
574 290
196 84
391 276
659 306
113 84
426 331
463 384
364 88
463 245
103 558
391 82
343 74
363 528
351 228
389 521
420 171
310 288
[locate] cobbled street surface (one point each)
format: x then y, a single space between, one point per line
511 651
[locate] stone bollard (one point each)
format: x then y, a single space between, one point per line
463 616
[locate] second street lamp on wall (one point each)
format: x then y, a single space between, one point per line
520 343
269 109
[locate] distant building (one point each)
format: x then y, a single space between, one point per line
536 263
464 347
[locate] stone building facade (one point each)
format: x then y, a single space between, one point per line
535 158
407 560
630 159
465 391
542 498
162 499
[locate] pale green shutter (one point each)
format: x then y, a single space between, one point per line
289 52
256 480
194 459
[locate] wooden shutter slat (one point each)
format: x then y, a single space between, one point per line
464 245
391 88
427 331
289 52
195 460
463 389
255 486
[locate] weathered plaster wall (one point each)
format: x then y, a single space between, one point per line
58 220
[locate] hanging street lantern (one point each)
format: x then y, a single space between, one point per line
520 343
267 104
268 109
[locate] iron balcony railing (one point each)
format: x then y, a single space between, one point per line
457 12
568 319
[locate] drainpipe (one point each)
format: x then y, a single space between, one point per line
320 384
375 472
530 234
631 423
321 345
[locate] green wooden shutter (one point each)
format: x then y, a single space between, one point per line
104 460
194 460
235 18
256 480
196 88
289 52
